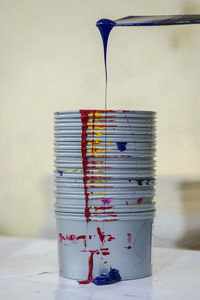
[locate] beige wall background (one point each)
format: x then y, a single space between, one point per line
51 59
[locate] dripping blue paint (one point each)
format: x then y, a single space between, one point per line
105 26
121 146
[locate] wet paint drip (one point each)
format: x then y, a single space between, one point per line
90 264
129 238
105 26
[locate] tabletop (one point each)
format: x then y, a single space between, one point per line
29 270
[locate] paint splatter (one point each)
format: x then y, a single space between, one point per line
139 201
73 238
121 146
106 201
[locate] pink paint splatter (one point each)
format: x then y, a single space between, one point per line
139 201
106 201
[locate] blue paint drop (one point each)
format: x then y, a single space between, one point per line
60 172
114 274
121 146
112 277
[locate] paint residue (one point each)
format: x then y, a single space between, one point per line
104 279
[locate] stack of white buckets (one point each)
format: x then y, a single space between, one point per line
105 185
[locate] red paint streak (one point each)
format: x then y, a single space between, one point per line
90 236
105 262
73 238
129 236
84 120
43 273
105 253
101 235
104 249
90 267
94 162
81 237
110 238
102 207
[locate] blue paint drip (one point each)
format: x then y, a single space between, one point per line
121 146
60 172
112 277
105 26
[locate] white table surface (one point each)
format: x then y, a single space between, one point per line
28 270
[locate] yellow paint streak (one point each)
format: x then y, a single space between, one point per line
98 134
96 181
71 170
138 204
91 127
96 150
93 143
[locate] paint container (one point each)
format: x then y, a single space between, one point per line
87 250
105 185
